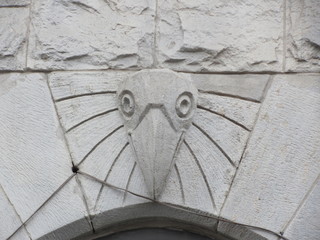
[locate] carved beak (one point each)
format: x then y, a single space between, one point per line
155 142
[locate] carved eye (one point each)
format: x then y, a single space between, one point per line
127 103
184 104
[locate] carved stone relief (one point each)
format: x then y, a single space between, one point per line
157 108
157 132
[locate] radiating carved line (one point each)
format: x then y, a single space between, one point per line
128 182
95 146
215 143
84 94
229 95
203 175
221 115
90 118
180 182
109 171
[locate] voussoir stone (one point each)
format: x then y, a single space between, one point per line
282 159
218 35
303 36
34 159
13 33
86 34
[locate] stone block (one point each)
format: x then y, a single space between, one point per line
303 36
13 36
87 106
34 159
220 36
85 34
282 159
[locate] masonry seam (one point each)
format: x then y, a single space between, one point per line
60 124
306 196
15 210
270 80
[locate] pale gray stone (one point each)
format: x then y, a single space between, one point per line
303 36
91 34
34 159
14 3
282 159
64 208
163 103
206 163
247 86
21 234
306 224
215 35
9 219
13 33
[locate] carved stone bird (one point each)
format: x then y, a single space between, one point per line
157 109
156 132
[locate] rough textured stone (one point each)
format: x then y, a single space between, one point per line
34 159
306 224
215 35
303 36
13 34
64 208
14 3
91 34
282 159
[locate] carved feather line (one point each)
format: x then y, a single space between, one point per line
180 183
221 115
128 182
95 146
108 174
215 143
83 95
90 118
229 95
202 173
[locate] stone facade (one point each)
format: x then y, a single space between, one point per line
250 152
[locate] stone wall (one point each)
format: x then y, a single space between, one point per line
252 155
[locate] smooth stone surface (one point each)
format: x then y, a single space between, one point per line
91 34
34 159
64 208
218 36
245 86
14 3
13 37
306 224
282 159
303 36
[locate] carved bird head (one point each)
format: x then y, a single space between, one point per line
157 108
